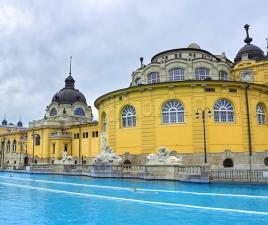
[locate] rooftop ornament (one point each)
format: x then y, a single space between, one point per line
248 39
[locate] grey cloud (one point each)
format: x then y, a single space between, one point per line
106 39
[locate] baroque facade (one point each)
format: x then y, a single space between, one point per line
201 106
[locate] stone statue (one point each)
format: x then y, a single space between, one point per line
65 159
107 155
163 158
103 141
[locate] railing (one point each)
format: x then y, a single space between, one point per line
193 169
133 168
171 172
41 166
238 175
60 135
192 77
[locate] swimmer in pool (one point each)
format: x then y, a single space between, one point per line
143 192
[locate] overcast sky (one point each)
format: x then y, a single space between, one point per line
106 39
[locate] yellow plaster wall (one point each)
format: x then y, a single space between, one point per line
149 133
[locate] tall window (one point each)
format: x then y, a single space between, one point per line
176 74
14 146
260 111
37 139
223 75
8 146
201 73
79 112
173 112
53 148
129 116
153 78
223 111
53 112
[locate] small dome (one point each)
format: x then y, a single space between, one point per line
253 52
4 122
19 124
193 45
69 95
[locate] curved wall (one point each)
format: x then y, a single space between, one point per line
187 137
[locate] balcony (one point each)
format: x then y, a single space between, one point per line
60 134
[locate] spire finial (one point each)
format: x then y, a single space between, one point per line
70 73
248 39
141 60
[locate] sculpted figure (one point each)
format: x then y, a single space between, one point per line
107 155
65 159
163 158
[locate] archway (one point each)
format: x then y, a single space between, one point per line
26 161
127 164
228 163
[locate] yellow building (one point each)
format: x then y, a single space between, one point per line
170 96
66 126
198 105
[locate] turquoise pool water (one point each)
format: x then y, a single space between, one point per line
63 200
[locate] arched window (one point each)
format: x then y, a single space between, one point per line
173 112
79 112
14 146
223 111
53 112
260 111
201 73
223 75
176 74
37 139
129 116
8 146
228 163
153 78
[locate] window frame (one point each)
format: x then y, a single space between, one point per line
176 116
227 113
221 72
128 120
53 112
261 114
153 78
79 112
180 75
199 76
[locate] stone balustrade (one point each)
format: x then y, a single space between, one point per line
160 172
60 135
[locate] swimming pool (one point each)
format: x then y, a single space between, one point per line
28 199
